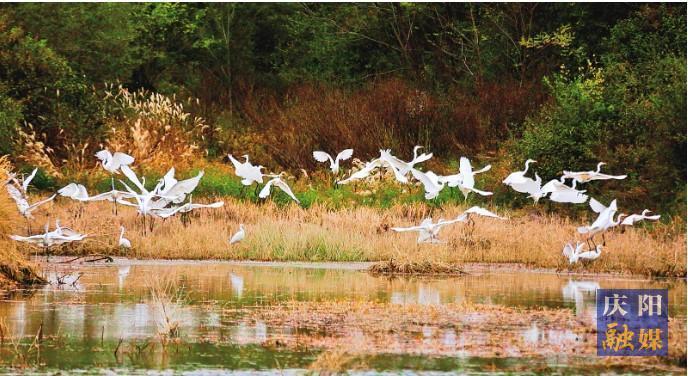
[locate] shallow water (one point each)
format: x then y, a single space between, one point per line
110 305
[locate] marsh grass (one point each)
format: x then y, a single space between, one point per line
277 232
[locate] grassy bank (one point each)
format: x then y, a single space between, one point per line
319 233
14 268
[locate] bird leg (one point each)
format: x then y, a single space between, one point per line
604 241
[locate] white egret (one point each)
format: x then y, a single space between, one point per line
574 255
586 176
281 184
74 191
50 238
404 167
427 230
115 196
176 190
635 218
323 157
144 200
248 173
239 235
604 221
467 182
430 182
25 209
113 162
123 242
363 172
560 192
518 177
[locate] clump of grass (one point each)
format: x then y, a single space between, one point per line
421 267
168 304
335 362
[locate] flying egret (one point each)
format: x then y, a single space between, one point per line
115 196
586 176
239 235
144 200
404 167
467 182
427 230
430 182
281 184
573 255
363 172
560 192
49 238
123 242
185 208
604 221
248 173
518 176
25 209
635 218
177 190
323 157
113 162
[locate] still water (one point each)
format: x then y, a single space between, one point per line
108 319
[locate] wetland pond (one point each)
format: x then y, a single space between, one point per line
135 316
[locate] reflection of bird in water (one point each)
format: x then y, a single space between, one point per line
122 273
428 295
261 332
579 292
237 282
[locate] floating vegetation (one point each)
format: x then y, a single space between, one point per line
417 268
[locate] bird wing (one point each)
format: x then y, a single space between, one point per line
104 155
527 185
18 197
236 237
133 178
484 169
599 176
284 187
25 183
568 251
550 186
169 180
39 203
69 190
466 172
168 212
122 159
631 220
322 157
182 188
265 191
405 229
569 196
427 182
596 206
484 212
478 191
422 158
82 193
345 154
235 162
215 205
653 217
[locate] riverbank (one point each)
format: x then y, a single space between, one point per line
361 234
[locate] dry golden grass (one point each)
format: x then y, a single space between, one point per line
14 269
363 234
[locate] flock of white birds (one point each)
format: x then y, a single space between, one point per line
170 196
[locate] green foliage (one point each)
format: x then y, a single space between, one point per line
10 118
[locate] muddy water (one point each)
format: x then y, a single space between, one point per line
109 318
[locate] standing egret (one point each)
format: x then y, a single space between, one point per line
113 162
281 184
239 235
323 157
573 255
123 242
586 176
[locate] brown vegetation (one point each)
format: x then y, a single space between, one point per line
292 233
